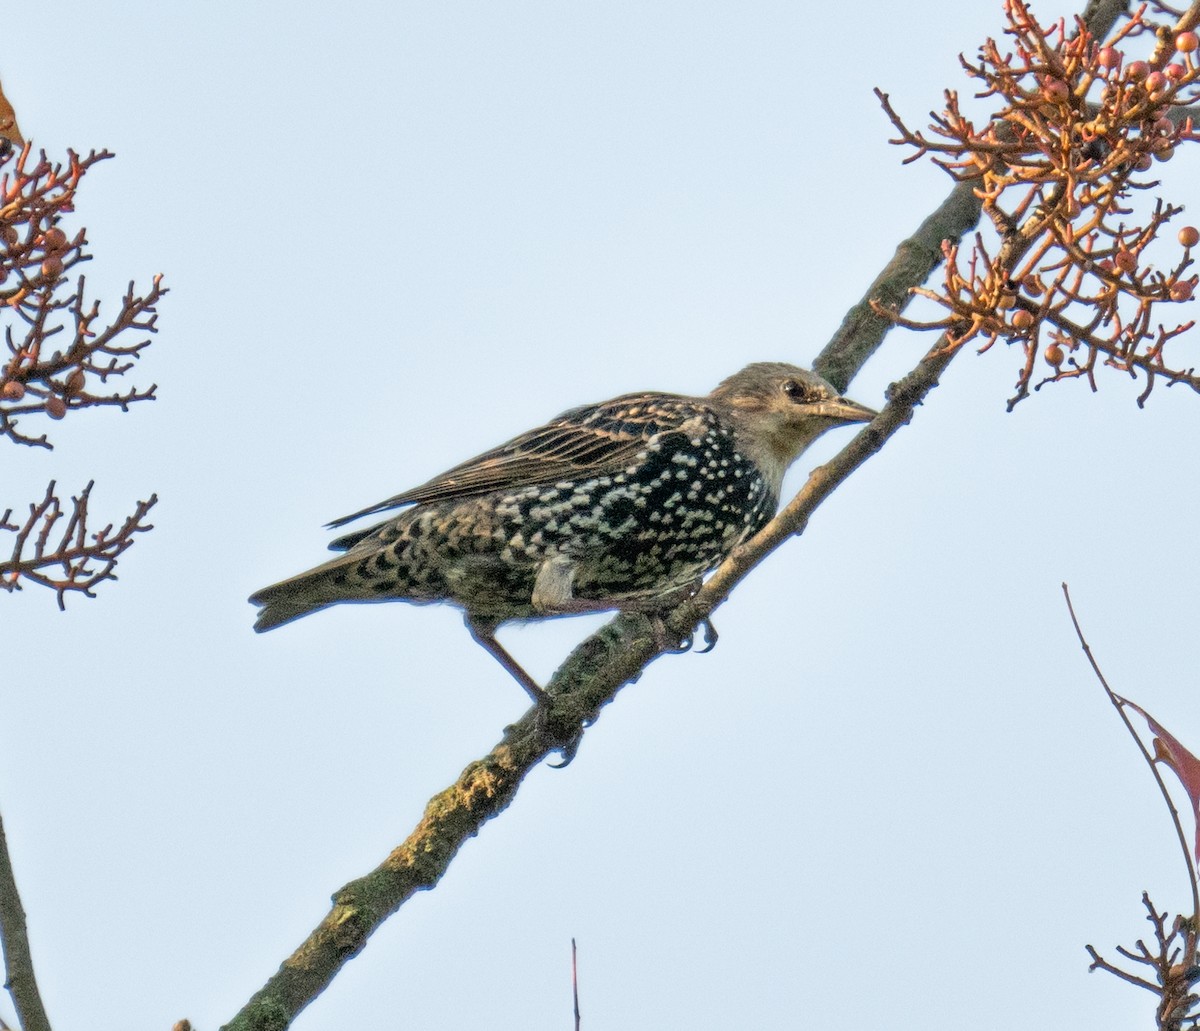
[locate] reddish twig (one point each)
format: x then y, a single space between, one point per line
1061 160
41 373
1174 959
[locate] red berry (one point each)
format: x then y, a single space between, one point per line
1126 261
1054 89
1109 57
1189 236
54 239
1054 355
52 267
1182 290
56 407
12 390
1175 71
1186 42
1156 81
1165 152
1143 163
1022 320
1138 71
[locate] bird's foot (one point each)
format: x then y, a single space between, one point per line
710 635
667 641
566 735
568 750
563 736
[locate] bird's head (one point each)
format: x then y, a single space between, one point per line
777 410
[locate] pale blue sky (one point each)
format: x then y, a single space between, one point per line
396 235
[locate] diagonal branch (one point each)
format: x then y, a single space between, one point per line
587 681
18 961
618 653
863 328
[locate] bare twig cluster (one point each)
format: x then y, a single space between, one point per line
1174 960
1171 963
40 374
53 547
1060 163
58 358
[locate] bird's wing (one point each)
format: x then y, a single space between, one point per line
590 441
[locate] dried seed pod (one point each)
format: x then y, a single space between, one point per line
54 239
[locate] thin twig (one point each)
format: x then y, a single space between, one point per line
1118 703
575 982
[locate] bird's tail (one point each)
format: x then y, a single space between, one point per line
307 592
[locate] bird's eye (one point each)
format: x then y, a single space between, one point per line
795 390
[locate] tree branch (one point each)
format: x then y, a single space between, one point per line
587 681
18 961
77 559
618 653
863 328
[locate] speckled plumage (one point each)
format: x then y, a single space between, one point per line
615 505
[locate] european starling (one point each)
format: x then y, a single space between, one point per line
624 504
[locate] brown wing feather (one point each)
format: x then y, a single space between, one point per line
593 440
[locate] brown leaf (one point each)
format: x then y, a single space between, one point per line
9 129
1170 752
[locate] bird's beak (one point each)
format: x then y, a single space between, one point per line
842 409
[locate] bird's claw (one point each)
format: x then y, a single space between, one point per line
668 643
568 751
710 635
685 645
566 742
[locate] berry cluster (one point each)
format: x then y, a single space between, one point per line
35 256
53 545
1078 268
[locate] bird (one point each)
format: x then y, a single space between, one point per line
625 504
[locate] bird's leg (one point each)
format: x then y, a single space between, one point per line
485 634
669 642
